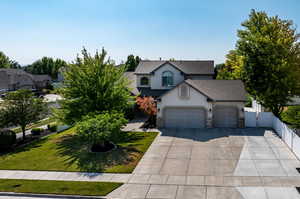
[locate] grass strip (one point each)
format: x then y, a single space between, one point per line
58 187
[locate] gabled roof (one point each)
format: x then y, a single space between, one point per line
196 67
220 90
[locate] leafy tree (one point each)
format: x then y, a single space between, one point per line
148 106
46 66
5 62
93 84
102 128
233 67
218 69
292 116
270 50
132 62
21 108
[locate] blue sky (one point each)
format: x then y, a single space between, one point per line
180 29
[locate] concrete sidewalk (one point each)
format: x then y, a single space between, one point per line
226 181
64 176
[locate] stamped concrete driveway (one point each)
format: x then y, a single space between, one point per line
215 163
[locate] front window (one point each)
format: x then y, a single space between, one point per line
144 81
167 78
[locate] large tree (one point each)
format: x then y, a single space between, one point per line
21 108
270 50
6 62
93 84
46 66
132 62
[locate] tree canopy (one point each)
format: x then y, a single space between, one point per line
6 62
46 66
233 67
270 53
132 62
21 108
93 84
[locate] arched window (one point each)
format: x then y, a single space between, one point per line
167 78
144 81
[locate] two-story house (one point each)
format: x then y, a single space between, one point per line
187 94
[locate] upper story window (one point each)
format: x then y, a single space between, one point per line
144 81
167 78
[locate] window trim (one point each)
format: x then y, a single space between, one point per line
171 76
143 79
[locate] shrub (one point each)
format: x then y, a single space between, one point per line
7 139
248 101
36 131
292 116
52 127
129 113
99 129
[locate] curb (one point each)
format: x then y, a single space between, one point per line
54 196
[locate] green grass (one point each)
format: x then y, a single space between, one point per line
58 187
34 125
66 152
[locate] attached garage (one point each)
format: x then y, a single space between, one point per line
178 117
201 104
225 116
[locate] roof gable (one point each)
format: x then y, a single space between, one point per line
167 62
196 67
218 90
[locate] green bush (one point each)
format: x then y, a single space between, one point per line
7 139
52 127
248 101
129 113
36 131
99 129
292 116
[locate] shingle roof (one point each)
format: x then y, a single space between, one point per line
40 78
152 92
187 67
220 90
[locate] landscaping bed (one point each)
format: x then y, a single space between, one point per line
65 151
58 187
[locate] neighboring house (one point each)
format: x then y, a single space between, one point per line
41 81
14 79
188 96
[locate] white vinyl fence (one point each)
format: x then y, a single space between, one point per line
267 119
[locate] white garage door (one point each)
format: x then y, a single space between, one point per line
185 118
225 116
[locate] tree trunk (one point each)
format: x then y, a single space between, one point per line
23 131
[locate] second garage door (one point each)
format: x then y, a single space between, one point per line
225 116
185 118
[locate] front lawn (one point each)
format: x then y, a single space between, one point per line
66 152
58 187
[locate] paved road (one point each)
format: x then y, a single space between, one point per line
28 132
